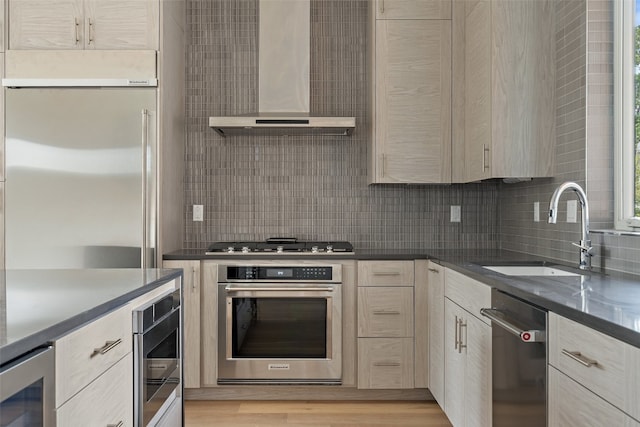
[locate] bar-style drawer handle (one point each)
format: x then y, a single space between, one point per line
578 357
384 312
108 346
386 364
120 424
433 270
386 273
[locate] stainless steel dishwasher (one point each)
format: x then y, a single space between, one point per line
519 366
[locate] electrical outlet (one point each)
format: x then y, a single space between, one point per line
536 211
572 211
455 213
198 212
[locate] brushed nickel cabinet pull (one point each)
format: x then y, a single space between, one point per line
485 164
145 153
456 338
386 273
386 364
382 6
460 345
193 282
90 30
108 346
433 270
120 424
578 357
385 312
77 30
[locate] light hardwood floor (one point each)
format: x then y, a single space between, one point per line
312 414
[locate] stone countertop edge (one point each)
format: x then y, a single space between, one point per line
468 263
46 336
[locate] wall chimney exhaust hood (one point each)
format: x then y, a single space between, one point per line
283 68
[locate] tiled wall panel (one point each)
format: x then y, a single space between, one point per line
311 187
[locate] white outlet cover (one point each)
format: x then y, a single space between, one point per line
198 212
536 211
455 213
572 211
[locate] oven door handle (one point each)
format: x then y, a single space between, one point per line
281 289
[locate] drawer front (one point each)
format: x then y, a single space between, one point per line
606 366
572 405
385 273
85 353
467 293
385 312
105 402
385 363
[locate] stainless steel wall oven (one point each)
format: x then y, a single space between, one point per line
157 367
280 324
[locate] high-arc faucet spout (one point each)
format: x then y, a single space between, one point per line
585 242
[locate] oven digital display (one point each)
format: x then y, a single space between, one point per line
278 273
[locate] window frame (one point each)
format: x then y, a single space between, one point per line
624 186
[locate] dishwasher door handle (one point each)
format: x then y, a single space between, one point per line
526 335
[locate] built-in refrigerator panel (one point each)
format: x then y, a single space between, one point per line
75 196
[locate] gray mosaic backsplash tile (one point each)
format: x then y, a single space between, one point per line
310 187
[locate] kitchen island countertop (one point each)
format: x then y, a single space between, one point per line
39 306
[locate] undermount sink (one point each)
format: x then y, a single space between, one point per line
529 270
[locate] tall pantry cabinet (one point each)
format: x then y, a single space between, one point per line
3 28
111 39
411 91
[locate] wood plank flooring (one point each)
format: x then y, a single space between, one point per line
313 414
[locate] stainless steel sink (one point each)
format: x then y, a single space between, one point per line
529 270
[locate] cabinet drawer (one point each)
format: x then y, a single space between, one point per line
385 363
614 366
467 293
87 352
105 402
572 405
385 312
385 273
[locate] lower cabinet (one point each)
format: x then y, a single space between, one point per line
467 393
191 320
572 405
107 401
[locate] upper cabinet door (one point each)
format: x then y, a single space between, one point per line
413 9
45 24
118 24
413 101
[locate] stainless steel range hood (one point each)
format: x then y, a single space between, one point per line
283 97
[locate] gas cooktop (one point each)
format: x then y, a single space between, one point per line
281 245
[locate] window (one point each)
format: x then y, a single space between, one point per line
627 114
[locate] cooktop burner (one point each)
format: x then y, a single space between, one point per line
279 245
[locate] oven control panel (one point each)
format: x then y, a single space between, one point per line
310 273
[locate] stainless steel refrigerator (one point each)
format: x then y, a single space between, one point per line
81 181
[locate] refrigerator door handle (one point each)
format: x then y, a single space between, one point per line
145 152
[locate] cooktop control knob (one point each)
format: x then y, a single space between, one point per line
245 249
279 249
230 249
314 249
329 248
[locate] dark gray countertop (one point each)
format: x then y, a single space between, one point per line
42 305
609 303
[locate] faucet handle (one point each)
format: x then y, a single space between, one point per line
587 248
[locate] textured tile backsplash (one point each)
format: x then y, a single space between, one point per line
311 187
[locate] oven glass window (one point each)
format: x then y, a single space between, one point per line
279 328
25 408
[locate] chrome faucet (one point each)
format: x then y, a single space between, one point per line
585 242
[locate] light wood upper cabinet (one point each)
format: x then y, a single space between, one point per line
504 102
413 9
412 124
2 25
83 24
191 293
